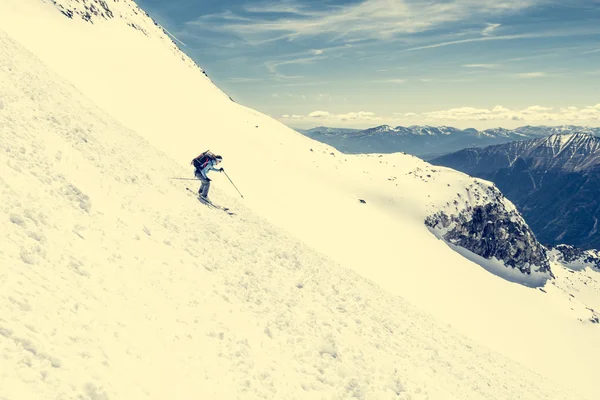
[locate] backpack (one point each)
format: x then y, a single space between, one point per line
203 159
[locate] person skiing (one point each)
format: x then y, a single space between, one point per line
204 163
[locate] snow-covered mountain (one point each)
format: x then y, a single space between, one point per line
326 283
323 130
553 180
429 142
543 130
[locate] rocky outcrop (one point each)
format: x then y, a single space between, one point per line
574 258
554 181
87 10
493 230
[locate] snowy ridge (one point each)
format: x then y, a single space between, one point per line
569 152
127 11
426 142
503 132
560 129
414 130
259 284
104 62
521 133
578 146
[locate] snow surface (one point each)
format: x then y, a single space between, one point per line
116 283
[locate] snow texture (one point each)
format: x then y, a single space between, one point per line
117 284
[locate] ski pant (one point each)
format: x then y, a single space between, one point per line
204 186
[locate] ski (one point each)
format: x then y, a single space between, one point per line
210 204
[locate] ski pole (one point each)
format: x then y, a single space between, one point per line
186 179
233 184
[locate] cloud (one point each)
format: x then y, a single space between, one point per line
485 66
537 109
461 113
273 66
531 75
331 117
243 80
318 51
354 116
532 113
537 35
319 114
367 19
489 29
390 81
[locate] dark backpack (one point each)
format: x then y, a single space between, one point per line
203 159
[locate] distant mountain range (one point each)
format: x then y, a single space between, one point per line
554 181
428 142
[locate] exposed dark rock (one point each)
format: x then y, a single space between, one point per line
491 231
554 181
573 257
87 10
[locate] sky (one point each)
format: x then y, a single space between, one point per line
348 63
117 284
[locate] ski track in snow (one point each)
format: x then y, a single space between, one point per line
116 283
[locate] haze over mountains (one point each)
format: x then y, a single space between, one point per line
115 283
428 142
554 181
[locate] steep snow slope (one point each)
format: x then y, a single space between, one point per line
304 188
116 284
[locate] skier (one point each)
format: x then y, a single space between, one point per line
203 163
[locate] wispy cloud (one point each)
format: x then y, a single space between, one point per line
273 66
536 74
326 116
520 36
398 81
484 66
243 80
533 113
369 19
489 29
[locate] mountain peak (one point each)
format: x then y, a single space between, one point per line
581 143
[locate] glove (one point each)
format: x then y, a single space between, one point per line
208 179
221 170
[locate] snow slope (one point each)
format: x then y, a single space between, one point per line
278 304
118 285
